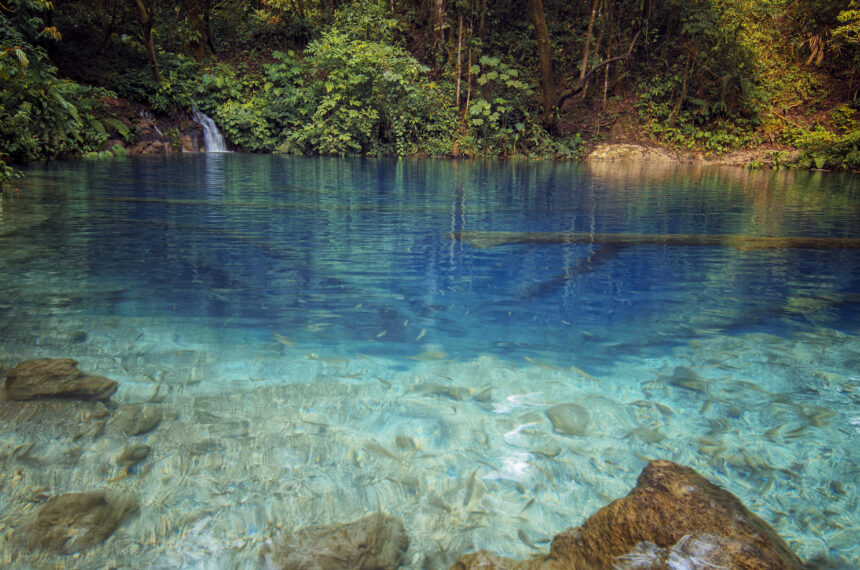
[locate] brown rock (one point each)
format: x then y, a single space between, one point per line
375 542
671 502
149 147
132 455
76 521
56 378
136 419
673 516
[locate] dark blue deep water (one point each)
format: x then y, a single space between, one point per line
382 287
264 243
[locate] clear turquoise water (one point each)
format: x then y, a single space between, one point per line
293 316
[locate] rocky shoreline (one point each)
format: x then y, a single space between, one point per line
673 517
167 135
622 152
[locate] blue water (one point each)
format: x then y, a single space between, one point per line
216 275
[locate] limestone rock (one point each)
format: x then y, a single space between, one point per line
76 521
56 378
132 455
673 518
137 420
629 152
671 502
569 419
149 146
376 541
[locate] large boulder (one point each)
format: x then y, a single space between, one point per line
673 518
73 522
374 542
56 378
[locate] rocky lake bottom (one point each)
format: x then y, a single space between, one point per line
221 453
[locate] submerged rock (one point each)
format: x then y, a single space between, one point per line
76 521
673 518
56 378
137 420
569 419
132 455
376 541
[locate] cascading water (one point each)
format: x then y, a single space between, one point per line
213 140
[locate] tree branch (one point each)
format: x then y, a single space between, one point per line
580 85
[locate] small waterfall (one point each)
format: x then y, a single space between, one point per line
213 140
147 116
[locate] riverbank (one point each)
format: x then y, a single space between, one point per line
156 134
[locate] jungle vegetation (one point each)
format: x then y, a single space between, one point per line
539 78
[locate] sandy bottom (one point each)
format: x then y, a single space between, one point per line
261 437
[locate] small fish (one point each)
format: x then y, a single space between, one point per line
313 423
385 383
283 340
583 373
328 359
471 485
406 323
382 334
773 432
539 364
526 540
405 442
421 334
428 355
380 450
437 502
436 389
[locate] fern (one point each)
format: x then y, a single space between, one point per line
119 127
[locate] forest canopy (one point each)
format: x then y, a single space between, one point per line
541 78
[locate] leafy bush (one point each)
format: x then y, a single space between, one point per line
368 98
42 116
825 149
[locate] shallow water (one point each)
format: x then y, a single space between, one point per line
321 347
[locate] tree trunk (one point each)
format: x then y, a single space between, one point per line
146 13
438 25
547 79
459 60
588 35
197 22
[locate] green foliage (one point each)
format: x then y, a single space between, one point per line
367 20
367 98
349 77
7 174
40 115
849 30
499 114
708 89
825 149
842 118
245 125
